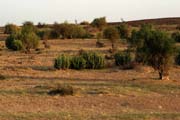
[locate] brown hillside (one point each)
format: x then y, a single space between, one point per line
158 21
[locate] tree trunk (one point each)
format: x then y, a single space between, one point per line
113 48
163 75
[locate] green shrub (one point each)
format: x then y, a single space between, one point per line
78 62
62 90
12 43
93 60
62 62
122 58
17 45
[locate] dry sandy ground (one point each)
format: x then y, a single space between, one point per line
108 94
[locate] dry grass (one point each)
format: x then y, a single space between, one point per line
108 94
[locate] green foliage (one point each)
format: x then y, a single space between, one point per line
112 34
13 43
11 29
62 62
26 38
29 37
122 58
99 23
28 27
137 37
9 41
124 31
78 62
157 49
93 60
17 45
176 36
44 34
62 90
30 41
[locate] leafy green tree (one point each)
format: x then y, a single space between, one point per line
157 50
112 34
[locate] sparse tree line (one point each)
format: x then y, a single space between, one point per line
149 45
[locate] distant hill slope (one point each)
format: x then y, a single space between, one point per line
158 21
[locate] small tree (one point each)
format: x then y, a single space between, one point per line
111 33
100 23
157 51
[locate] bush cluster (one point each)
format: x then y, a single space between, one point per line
25 39
69 31
87 60
45 34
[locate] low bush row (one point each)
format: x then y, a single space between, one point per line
86 60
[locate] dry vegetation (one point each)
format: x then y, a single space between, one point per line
107 94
